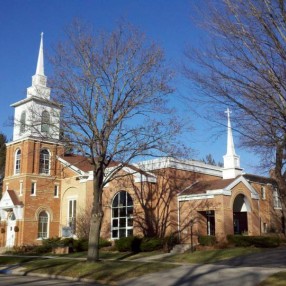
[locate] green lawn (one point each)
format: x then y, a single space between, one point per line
105 271
114 266
211 256
278 279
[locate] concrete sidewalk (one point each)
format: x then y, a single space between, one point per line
248 270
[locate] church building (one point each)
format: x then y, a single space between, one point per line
48 193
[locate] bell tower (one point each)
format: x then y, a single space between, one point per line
30 206
37 116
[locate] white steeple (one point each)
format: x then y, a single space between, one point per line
40 63
37 116
231 168
39 80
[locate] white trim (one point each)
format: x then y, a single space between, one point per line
72 167
195 197
226 191
186 165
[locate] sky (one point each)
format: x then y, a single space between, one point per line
167 22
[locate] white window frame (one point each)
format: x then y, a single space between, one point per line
48 226
21 188
33 190
276 200
71 215
116 221
263 193
56 190
17 163
23 122
46 161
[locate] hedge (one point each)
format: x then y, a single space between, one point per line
131 243
257 241
151 244
207 240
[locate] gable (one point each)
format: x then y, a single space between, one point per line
208 190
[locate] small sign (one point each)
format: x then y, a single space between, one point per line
66 231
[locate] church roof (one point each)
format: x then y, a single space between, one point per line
259 179
14 198
201 187
83 163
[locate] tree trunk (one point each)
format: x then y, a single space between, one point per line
96 217
280 179
94 235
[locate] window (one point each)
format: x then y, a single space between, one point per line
44 162
33 189
264 227
23 122
17 161
72 215
43 224
122 215
21 188
56 191
263 193
45 123
276 200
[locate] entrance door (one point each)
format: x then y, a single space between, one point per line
11 223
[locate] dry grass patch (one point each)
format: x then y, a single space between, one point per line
277 279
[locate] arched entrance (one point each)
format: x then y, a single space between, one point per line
240 208
11 223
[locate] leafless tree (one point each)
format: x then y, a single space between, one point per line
114 88
243 66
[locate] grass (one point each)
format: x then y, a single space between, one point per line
277 279
114 266
211 256
103 271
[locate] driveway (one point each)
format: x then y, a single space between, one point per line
242 271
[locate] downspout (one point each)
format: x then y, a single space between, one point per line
178 210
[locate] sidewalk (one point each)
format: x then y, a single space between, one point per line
240 271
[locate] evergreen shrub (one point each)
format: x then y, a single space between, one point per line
131 243
257 241
207 240
151 244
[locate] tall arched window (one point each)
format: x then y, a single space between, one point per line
18 161
45 123
45 161
122 215
23 122
43 225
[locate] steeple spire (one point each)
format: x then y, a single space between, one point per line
40 63
231 168
230 144
39 86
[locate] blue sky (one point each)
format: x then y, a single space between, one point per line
165 21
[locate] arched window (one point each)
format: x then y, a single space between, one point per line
44 162
45 123
23 122
43 225
122 215
17 161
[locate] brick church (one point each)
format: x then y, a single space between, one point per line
47 192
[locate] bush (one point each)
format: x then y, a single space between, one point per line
151 244
257 241
131 243
207 240
170 241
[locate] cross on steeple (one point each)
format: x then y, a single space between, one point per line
231 160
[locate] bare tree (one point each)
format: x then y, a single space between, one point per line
3 141
114 88
243 66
